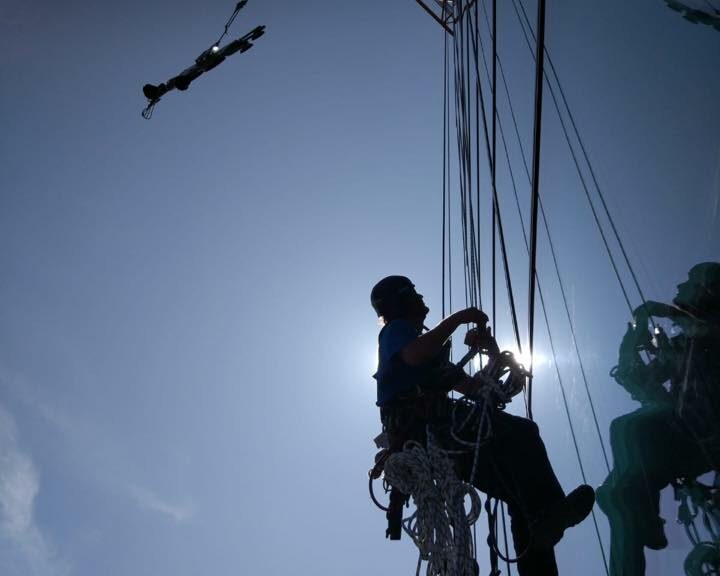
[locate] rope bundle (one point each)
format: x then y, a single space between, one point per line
440 526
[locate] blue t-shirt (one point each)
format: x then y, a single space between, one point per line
393 376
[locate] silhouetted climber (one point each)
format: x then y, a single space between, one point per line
413 379
676 432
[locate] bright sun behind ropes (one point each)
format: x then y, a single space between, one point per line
539 359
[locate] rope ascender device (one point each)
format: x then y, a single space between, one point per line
208 60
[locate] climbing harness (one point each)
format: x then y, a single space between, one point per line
425 471
209 59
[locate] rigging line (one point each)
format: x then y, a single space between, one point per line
445 167
459 89
493 247
467 209
449 197
496 204
494 241
537 132
570 424
239 6
477 191
509 101
551 342
497 221
474 235
544 310
494 92
590 167
461 125
494 180
553 252
505 538
494 158
563 391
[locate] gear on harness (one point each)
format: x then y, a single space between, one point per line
416 466
209 59
440 526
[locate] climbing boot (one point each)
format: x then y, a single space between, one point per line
564 514
651 532
625 515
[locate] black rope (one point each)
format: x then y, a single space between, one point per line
551 246
239 6
551 341
445 163
537 132
462 146
497 220
460 133
446 155
592 173
477 191
539 287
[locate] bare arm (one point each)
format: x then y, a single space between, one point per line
427 346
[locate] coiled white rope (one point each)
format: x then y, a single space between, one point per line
440 526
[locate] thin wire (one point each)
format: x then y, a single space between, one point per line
550 243
445 166
239 6
592 174
494 148
460 132
477 192
537 132
539 286
496 205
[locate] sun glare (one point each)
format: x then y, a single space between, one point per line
539 359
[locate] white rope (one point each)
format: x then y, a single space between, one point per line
440 526
492 393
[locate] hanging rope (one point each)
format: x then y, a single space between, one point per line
525 21
496 202
551 244
537 131
239 6
541 295
440 527
492 160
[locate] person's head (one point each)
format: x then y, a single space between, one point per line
700 293
395 297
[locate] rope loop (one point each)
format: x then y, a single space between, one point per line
440 525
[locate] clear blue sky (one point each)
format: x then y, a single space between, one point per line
186 341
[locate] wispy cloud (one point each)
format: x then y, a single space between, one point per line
24 550
148 500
